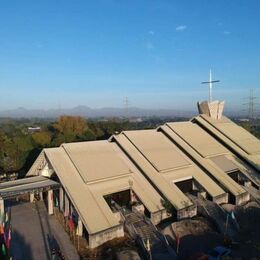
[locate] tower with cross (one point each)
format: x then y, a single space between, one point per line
213 109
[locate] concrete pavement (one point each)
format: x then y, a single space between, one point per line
35 233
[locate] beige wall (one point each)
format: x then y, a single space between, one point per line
187 212
221 199
157 217
98 239
242 198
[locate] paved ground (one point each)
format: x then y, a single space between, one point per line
35 233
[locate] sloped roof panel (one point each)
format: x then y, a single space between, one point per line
93 216
88 198
96 160
245 140
224 163
222 177
157 149
234 146
169 190
196 137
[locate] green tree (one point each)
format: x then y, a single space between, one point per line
71 124
43 139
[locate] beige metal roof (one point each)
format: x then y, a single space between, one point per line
144 192
217 173
157 149
13 188
250 172
140 145
88 197
139 159
96 219
208 147
23 181
197 174
235 138
224 163
196 137
96 160
169 190
246 141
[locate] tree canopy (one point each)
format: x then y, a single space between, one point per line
19 148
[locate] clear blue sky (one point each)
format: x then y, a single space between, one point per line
67 53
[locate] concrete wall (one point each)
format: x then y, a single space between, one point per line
242 198
100 238
157 217
118 216
187 212
221 199
213 109
47 171
196 185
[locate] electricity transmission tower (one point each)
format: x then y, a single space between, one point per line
251 105
126 107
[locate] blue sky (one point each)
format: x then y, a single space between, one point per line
95 53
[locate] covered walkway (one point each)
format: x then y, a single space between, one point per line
11 189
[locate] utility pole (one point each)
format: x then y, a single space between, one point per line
210 82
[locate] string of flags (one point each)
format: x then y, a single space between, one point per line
5 232
72 221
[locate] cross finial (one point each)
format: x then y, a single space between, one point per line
210 84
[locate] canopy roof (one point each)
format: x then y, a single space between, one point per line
32 184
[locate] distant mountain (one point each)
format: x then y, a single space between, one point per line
85 111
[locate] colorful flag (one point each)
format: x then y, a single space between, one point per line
56 202
2 230
8 242
3 249
234 219
148 245
71 224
